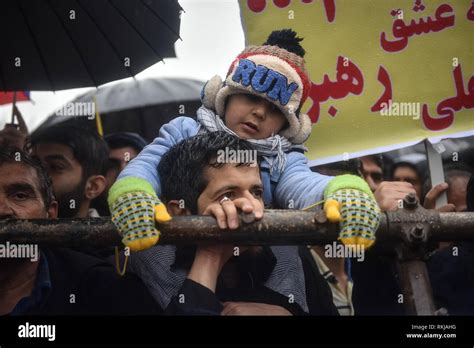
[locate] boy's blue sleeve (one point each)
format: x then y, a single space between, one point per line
145 165
298 187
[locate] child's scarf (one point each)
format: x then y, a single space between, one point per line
273 148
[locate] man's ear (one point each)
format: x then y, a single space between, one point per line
95 185
176 208
52 212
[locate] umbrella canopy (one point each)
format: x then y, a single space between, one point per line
60 44
142 93
140 106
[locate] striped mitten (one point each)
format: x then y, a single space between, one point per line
350 201
135 208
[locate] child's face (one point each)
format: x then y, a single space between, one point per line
252 117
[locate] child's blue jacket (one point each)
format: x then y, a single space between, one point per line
296 187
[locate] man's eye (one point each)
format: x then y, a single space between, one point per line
56 167
228 195
376 176
258 193
20 196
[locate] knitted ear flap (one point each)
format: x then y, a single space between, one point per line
209 92
305 130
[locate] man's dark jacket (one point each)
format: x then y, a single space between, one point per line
86 285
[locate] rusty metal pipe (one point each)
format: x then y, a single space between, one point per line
278 227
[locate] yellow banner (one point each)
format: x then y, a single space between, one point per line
385 74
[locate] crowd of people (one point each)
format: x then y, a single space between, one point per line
68 171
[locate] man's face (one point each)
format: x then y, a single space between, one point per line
372 173
252 117
457 193
20 197
66 173
118 159
233 182
408 174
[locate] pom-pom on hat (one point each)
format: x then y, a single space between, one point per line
275 71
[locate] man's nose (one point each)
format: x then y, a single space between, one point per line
250 196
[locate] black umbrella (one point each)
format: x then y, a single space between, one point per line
60 44
140 106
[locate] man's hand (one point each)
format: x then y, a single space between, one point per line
250 308
14 135
389 194
432 196
226 214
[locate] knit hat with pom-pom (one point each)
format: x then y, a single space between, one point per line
275 71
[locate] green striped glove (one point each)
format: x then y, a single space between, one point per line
349 200
135 207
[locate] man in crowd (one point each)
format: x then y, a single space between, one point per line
55 281
219 279
412 168
387 193
372 170
451 269
76 160
376 289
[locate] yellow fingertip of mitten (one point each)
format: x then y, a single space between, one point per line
349 240
141 243
331 208
161 214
